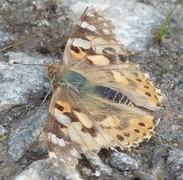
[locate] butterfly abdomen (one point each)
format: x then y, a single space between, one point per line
112 95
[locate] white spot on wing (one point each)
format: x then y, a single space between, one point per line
52 155
90 14
84 24
74 152
105 31
53 138
56 140
91 28
61 118
61 142
88 26
146 75
100 44
62 160
81 43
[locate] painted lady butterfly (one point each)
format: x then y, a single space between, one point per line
98 99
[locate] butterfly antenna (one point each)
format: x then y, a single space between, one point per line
25 64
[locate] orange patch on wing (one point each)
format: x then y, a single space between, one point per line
118 77
83 119
78 55
99 60
65 105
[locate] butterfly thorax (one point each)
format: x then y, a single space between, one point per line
61 75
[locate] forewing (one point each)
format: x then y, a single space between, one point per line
93 42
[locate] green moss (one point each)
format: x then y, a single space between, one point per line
3 138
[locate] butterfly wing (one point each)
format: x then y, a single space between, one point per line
86 124
93 42
105 113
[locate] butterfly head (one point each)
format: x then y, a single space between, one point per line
53 70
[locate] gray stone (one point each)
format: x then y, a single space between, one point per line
27 133
16 80
123 162
175 161
180 177
45 170
4 36
3 131
97 163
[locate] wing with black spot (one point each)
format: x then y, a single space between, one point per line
93 42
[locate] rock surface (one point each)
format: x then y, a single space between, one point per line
27 133
3 131
45 170
124 162
175 160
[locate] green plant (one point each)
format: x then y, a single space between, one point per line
3 138
165 28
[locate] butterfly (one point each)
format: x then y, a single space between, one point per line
99 100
